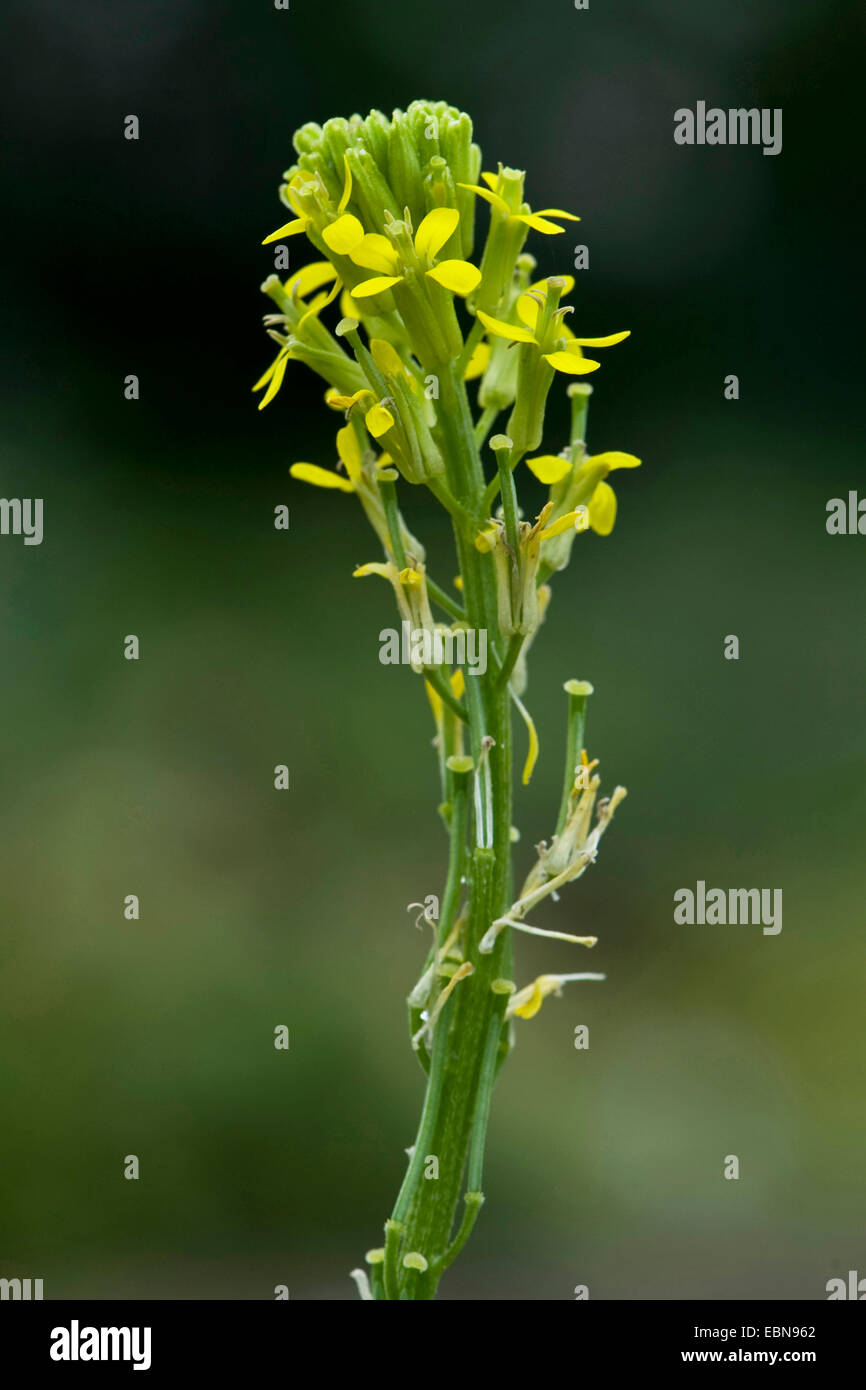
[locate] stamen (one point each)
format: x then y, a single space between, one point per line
363 1284
488 940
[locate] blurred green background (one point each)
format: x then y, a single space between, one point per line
259 908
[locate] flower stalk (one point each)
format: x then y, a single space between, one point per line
430 349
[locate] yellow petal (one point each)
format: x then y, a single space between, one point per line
320 302
313 308
378 420
492 198
604 342
532 755
320 477
334 399
614 459
527 1001
505 330
527 310
310 277
532 1003
276 380
477 364
378 285
570 363
458 276
347 186
490 179
290 229
539 224
349 451
373 567
435 702
602 509
549 468
348 308
578 520
386 357
266 375
555 212
375 252
458 684
345 402
343 234
436 228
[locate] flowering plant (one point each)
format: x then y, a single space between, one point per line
389 206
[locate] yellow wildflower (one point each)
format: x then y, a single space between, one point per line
375 252
526 1002
539 221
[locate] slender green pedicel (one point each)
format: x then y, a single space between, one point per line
388 207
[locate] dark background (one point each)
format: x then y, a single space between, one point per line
258 908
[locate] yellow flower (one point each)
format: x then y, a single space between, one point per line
373 251
377 417
302 222
273 377
526 1002
600 511
304 281
537 220
578 520
567 358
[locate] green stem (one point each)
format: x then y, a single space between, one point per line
434 675
467 1035
455 509
393 1232
392 517
574 742
482 1106
476 333
485 424
445 601
493 487
473 1202
457 783
509 498
515 646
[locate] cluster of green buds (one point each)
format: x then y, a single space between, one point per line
404 324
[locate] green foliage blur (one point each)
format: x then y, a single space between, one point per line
260 907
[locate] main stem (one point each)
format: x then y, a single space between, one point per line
470 1034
